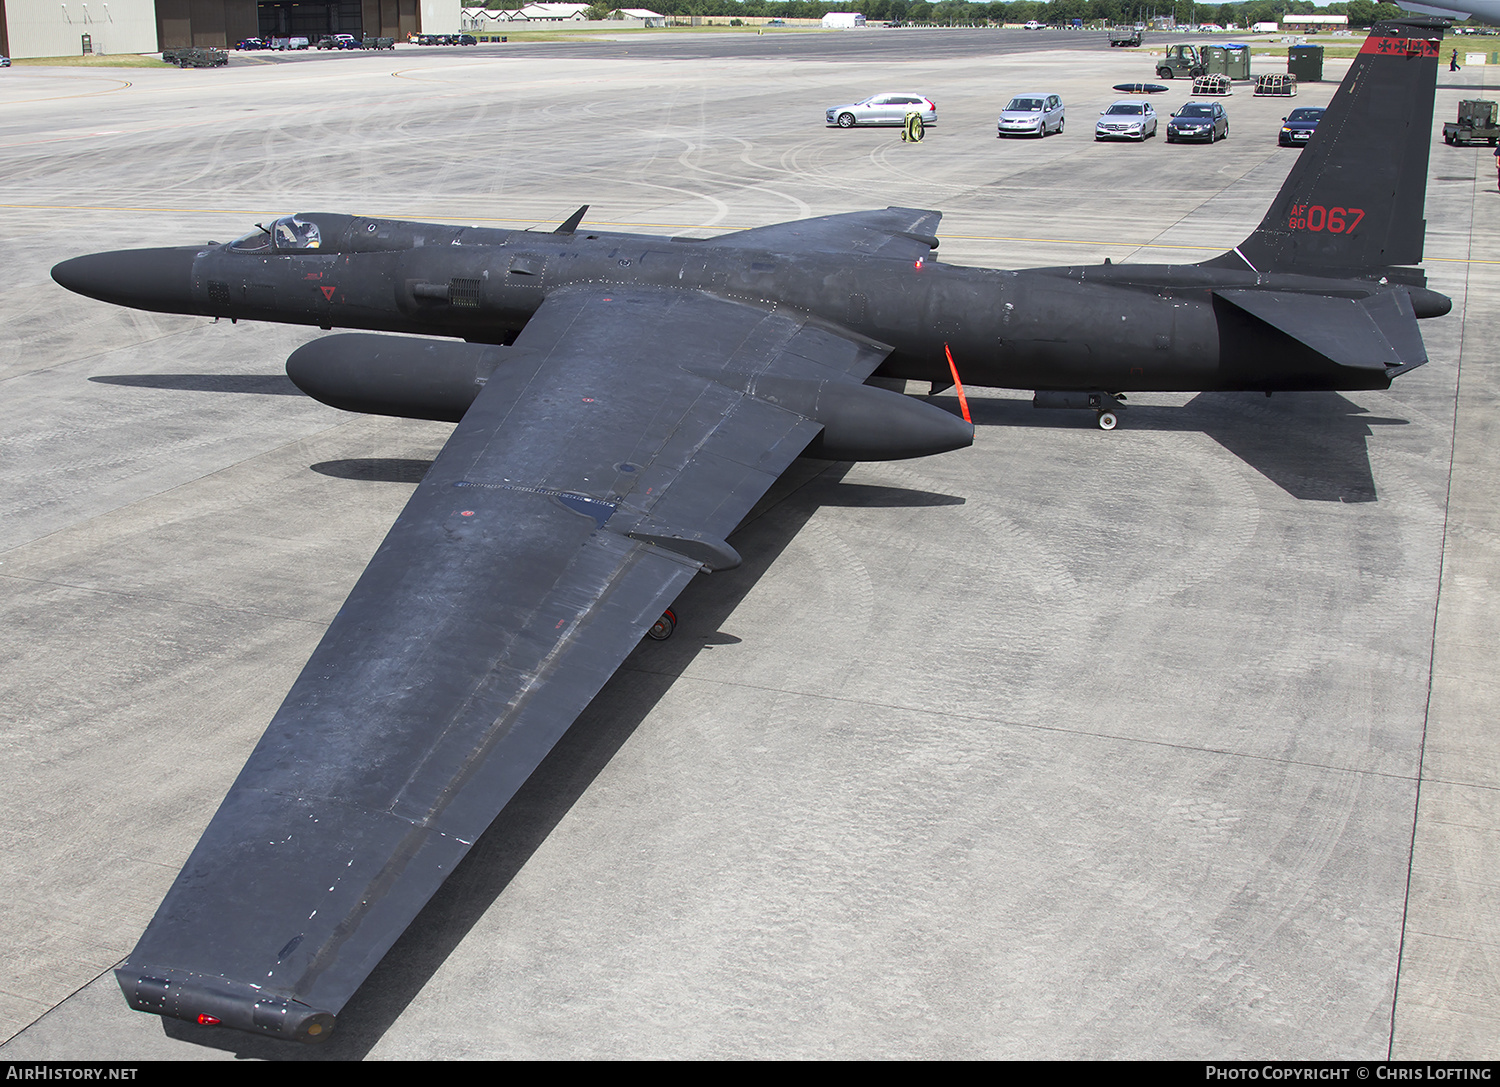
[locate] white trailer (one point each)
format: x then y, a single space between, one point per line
843 20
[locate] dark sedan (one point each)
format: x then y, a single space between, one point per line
1297 126
1204 121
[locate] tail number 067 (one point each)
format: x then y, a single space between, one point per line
1316 217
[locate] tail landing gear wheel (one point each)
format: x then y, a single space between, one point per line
662 629
1108 420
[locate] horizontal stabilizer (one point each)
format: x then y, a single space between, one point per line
1374 333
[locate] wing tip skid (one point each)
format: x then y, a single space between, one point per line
216 1001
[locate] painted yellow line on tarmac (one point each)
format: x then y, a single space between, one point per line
1155 245
603 225
123 84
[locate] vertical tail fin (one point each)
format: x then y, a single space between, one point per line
1354 202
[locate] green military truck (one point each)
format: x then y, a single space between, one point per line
1475 124
1125 36
193 57
1181 60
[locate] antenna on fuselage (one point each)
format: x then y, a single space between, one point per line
572 221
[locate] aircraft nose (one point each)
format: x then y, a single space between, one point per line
153 279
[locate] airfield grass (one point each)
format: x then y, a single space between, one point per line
122 60
1342 51
627 31
1346 47
1347 50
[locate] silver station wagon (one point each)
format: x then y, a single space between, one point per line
884 109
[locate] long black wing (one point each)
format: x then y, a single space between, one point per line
591 479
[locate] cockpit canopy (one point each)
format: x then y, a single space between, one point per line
287 233
328 233
291 233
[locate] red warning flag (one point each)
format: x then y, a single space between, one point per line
963 401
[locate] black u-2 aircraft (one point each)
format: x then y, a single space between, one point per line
622 402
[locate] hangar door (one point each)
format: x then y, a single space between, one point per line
222 23
298 18
204 23
312 19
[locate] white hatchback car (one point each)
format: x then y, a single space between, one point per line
1128 119
884 109
1031 115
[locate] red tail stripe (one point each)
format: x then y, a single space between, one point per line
1401 47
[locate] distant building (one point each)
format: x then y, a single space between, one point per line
554 13
649 18
1314 20
65 28
47 28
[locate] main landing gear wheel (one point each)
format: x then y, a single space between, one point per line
1108 420
662 629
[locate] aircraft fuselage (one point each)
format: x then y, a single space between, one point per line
1117 327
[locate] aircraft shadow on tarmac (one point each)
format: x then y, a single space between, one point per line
1312 445
582 753
376 469
874 496
263 384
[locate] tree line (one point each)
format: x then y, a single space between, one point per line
1362 13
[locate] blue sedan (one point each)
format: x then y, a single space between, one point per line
1205 121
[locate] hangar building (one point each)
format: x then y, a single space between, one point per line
59 28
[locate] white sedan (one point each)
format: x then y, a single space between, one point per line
1126 120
